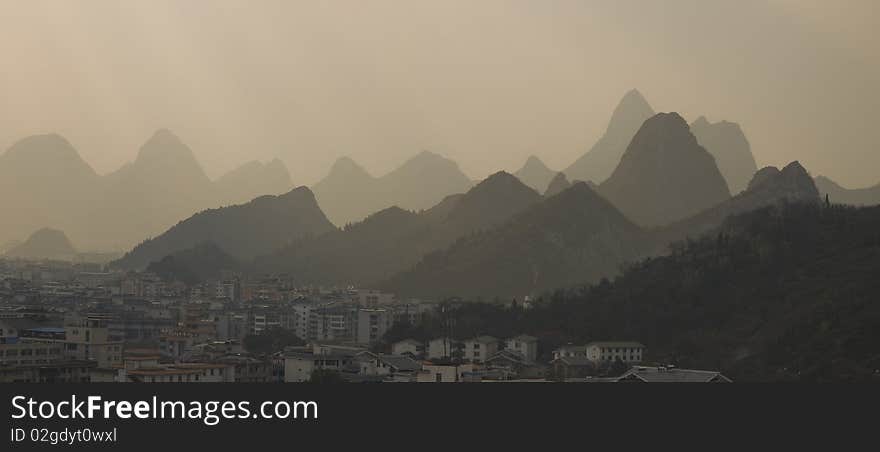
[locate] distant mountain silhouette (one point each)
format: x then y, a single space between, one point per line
203 262
535 174
251 180
558 185
45 243
574 237
664 175
489 203
601 160
728 144
348 193
768 187
244 231
577 237
394 239
44 181
839 195
163 185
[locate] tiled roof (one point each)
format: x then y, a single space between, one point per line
672 375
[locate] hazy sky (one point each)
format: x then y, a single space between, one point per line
485 82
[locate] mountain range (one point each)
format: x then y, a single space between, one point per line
45 183
664 174
601 160
768 187
349 193
243 231
558 185
724 140
728 144
394 239
569 238
578 237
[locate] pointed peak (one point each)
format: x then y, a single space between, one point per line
560 176
164 143
534 160
298 194
499 176
499 181
558 184
701 122
630 113
346 164
795 168
634 98
633 94
534 163
761 177
164 138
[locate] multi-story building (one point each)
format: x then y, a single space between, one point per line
626 351
372 324
479 349
90 340
22 352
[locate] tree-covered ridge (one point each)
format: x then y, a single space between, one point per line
786 292
573 237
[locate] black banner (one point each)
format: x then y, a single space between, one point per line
132 417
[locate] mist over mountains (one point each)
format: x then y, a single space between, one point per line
43 244
394 239
728 144
559 184
243 231
601 160
535 174
349 193
45 183
664 175
424 229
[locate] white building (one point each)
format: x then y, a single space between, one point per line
570 351
628 352
372 324
479 349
